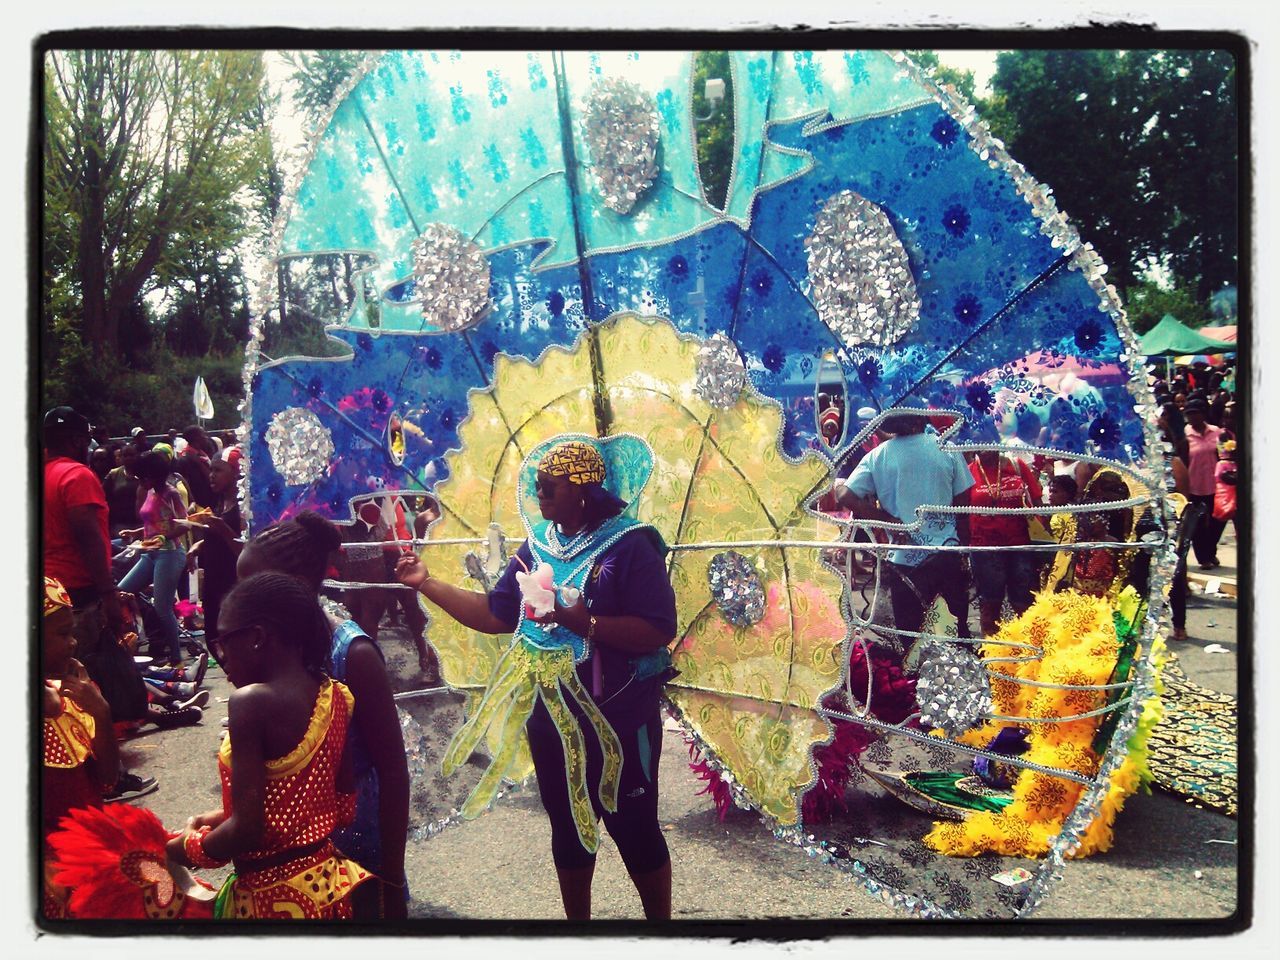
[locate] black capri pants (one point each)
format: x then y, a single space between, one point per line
634 827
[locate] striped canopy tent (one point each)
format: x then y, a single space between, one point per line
1226 334
1178 343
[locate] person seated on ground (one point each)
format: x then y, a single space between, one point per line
81 759
907 473
168 712
301 547
285 772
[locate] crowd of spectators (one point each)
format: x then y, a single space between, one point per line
901 469
126 520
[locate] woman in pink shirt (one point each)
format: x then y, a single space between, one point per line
1202 461
164 556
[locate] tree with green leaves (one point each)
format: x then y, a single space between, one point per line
146 155
1140 149
1146 303
715 134
316 77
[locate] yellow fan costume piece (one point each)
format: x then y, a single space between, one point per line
711 473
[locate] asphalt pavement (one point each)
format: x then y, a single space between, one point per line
1169 859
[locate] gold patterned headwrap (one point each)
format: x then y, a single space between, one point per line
55 596
578 461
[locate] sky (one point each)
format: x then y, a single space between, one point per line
981 62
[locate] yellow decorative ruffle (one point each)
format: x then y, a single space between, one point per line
1077 635
68 737
297 758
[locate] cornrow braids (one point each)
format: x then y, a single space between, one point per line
290 607
299 547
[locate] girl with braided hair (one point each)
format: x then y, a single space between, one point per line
285 772
376 838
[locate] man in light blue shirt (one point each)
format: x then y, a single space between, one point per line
908 474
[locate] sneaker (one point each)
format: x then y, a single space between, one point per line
130 786
195 672
200 699
1179 634
181 717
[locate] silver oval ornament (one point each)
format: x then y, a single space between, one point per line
859 276
621 130
450 278
301 447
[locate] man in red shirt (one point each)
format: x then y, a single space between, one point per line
77 547
77 551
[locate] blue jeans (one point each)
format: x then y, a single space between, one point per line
161 569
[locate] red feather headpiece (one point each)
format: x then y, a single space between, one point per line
114 863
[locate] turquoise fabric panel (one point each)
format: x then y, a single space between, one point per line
673 205
471 140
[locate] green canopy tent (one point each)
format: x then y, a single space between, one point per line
1171 338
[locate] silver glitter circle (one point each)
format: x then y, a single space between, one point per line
859 274
300 445
450 277
736 588
721 373
621 130
952 689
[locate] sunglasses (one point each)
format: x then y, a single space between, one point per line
218 647
545 487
